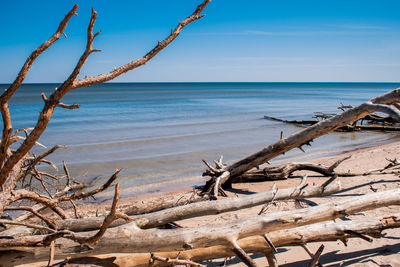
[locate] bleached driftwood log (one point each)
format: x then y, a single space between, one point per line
130 238
224 174
163 217
320 232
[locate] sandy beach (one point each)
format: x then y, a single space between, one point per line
380 252
266 134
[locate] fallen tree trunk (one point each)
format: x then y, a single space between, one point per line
130 238
301 122
286 170
199 209
321 232
387 124
374 127
223 174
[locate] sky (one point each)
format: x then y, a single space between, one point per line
237 41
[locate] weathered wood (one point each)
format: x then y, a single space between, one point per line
199 209
298 122
317 255
272 261
130 238
286 170
240 253
378 104
388 123
320 232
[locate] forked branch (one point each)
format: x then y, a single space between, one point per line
69 84
141 61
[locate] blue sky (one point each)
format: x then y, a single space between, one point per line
254 41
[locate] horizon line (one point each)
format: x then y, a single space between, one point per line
30 83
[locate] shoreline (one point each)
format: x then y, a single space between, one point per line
382 251
363 159
187 184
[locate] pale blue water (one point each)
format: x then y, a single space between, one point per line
160 132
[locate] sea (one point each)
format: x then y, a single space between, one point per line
159 133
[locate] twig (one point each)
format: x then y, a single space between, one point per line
246 259
272 261
270 243
139 62
310 253
51 254
36 226
48 221
354 233
316 256
174 262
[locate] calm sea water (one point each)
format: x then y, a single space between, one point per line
158 133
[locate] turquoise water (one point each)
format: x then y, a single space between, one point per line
158 133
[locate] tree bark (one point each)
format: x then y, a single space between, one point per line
163 217
320 232
379 104
286 170
130 238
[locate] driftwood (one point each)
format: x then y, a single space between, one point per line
347 128
163 217
16 165
58 236
224 174
320 232
286 170
375 122
130 238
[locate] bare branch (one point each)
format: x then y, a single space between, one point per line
162 217
173 262
53 203
107 221
18 81
378 104
73 106
139 62
83 195
70 84
48 239
40 227
272 261
48 221
40 158
243 255
316 256
28 64
394 113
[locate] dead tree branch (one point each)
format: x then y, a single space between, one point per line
320 232
381 103
129 237
69 84
159 218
